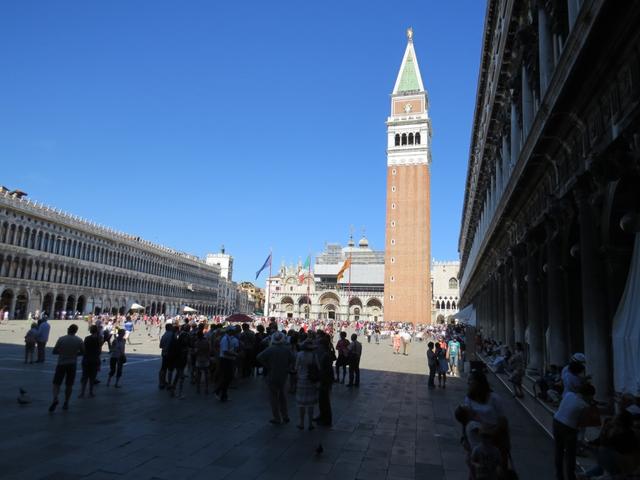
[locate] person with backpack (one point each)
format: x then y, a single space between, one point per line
165 344
277 357
179 353
308 371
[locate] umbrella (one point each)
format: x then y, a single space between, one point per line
136 306
189 310
239 318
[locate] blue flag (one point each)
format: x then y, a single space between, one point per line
267 263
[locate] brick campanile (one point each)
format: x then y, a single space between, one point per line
407 277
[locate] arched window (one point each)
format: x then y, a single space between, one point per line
453 283
453 305
417 137
397 140
437 304
448 305
411 139
404 139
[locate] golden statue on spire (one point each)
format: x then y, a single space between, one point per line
410 34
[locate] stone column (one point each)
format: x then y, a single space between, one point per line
12 305
518 321
597 331
505 153
533 310
545 49
555 298
508 305
500 307
527 103
515 135
492 309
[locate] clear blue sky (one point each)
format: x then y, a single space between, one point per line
250 124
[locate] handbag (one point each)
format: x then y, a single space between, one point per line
123 359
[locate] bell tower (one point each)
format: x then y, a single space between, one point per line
407 278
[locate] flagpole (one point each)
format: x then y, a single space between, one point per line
309 286
269 284
349 290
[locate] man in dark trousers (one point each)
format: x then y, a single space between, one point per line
277 358
326 357
355 352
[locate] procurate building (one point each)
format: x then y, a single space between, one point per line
549 237
54 262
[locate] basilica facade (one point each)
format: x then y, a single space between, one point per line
358 295
318 293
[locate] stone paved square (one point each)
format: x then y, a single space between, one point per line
392 427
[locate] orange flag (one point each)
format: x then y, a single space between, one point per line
347 264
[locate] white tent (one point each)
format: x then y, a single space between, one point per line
136 306
186 309
626 331
466 315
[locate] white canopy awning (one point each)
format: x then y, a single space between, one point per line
466 315
136 306
186 309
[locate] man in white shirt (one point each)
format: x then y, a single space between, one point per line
42 339
566 422
67 348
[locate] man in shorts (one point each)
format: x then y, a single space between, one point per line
68 347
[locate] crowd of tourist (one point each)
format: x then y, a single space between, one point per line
581 425
308 359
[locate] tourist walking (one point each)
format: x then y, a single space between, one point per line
128 327
202 354
165 344
277 358
342 347
117 357
326 357
432 363
30 341
179 353
486 408
442 364
516 365
453 352
308 369
355 352
397 342
68 347
229 347
405 340
566 422
43 337
90 360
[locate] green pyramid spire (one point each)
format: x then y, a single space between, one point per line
408 78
